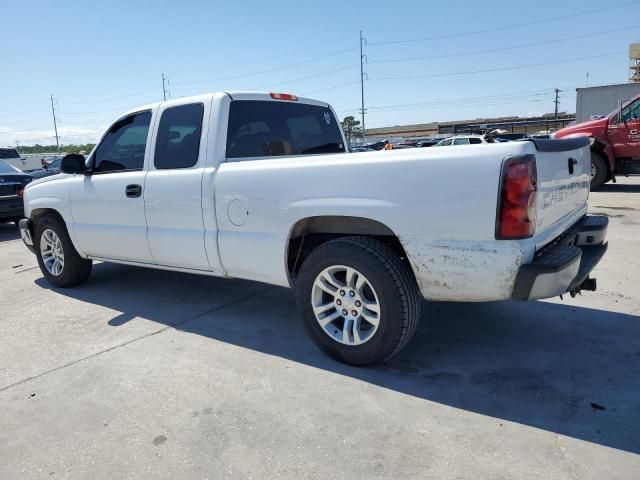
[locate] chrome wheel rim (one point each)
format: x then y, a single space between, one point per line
52 252
593 170
345 305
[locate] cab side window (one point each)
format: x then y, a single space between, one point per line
631 112
461 141
178 142
123 147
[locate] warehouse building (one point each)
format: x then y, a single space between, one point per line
525 125
594 102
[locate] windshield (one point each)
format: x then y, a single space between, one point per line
6 153
6 168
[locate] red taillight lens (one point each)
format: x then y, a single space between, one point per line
284 96
517 202
20 192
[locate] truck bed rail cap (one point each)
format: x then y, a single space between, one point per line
561 145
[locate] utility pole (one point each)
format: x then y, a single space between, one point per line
362 74
55 125
557 102
164 89
18 145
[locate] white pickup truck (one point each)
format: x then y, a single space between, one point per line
262 187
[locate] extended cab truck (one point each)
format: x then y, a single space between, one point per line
615 142
261 187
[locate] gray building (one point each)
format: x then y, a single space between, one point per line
602 100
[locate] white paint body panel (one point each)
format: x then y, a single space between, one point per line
234 217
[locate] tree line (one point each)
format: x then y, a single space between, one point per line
37 148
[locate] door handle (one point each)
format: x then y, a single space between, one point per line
133 191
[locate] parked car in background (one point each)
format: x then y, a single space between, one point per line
52 168
12 157
463 140
427 142
12 183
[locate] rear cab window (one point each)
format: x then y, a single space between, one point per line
274 128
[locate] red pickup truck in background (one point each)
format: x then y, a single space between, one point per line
615 145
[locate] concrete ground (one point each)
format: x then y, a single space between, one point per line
148 374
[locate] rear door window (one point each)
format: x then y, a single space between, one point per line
474 141
461 141
179 133
265 129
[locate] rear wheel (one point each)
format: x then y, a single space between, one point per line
59 261
359 301
599 170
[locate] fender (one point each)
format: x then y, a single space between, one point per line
59 206
607 149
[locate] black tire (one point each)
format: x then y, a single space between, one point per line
393 280
76 269
601 171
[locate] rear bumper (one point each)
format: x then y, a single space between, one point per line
26 232
11 207
565 265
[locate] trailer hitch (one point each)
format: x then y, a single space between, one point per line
589 285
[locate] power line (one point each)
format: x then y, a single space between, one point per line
122 109
28 120
331 88
269 70
502 49
113 98
296 80
499 69
505 27
13 114
484 100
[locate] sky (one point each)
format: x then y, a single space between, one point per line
425 61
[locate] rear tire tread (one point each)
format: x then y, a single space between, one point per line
401 276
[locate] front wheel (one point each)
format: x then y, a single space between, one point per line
599 171
58 259
359 301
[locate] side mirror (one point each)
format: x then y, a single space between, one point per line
73 163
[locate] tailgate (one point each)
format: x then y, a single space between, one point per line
564 172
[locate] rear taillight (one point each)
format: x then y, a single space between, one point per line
284 96
20 192
516 216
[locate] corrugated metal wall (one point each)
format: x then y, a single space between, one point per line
602 100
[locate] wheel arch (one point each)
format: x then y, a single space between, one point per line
37 212
310 232
606 151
